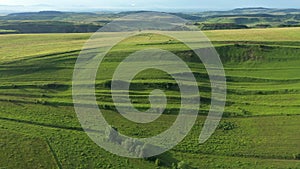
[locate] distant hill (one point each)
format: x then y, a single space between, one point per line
37 13
249 17
69 22
256 10
47 15
53 22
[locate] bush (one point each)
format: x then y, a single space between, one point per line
14 86
40 101
263 26
227 126
183 165
296 156
174 166
157 162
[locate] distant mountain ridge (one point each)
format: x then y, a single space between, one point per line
70 22
37 13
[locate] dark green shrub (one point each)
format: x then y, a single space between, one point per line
183 165
227 126
14 86
296 156
157 162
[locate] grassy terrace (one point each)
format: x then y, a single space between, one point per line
263 76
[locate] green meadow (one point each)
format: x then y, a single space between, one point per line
260 125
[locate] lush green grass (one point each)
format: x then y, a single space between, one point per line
271 34
258 142
20 46
262 110
24 151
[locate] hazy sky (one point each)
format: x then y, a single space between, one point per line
152 4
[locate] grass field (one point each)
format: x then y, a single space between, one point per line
260 128
20 149
271 34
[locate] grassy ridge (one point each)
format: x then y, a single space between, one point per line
263 80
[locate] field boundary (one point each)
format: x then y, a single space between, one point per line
54 154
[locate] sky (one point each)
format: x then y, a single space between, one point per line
146 4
